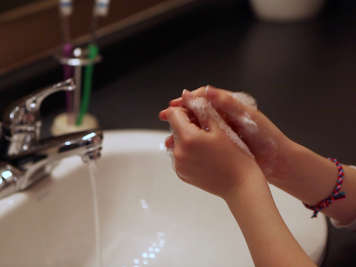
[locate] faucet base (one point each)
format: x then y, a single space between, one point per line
62 124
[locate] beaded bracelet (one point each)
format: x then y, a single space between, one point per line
336 194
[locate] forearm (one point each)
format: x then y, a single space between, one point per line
312 178
267 236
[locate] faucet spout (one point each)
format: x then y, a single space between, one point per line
39 161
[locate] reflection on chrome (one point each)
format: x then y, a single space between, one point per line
6 174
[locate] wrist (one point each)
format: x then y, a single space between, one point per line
253 182
286 155
307 176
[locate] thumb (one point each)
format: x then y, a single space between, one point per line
237 108
201 109
234 104
210 119
179 121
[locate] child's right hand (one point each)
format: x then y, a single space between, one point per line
269 145
205 156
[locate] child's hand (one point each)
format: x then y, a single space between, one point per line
204 154
269 145
210 155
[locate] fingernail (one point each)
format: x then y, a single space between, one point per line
210 92
173 101
185 91
186 94
207 89
163 115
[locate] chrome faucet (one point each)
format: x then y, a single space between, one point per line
24 158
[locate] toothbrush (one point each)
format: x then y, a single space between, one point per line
78 83
101 9
66 9
87 83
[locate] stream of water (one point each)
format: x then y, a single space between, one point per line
98 254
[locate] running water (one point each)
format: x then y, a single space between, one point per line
98 256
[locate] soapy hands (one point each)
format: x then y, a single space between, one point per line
207 153
222 144
267 143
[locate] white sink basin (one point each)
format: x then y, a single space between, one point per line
148 216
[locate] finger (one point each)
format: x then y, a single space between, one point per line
163 115
243 118
239 115
178 102
199 92
180 122
202 110
232 103
183 179
191 116
238 110
208 117
245 99
169 142
193 119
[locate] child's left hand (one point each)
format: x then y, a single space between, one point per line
204 154
210 157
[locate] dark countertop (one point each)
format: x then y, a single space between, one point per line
302 74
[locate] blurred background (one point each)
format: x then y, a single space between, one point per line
296 57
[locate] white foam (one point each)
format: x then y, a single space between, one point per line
244 120
168 150
162 146
249 125
199 106
205 111
171 156
247 120
245 99
265 145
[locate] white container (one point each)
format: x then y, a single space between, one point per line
286 10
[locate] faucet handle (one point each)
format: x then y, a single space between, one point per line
34 101
21 124
24 111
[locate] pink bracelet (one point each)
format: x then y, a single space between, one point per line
336 194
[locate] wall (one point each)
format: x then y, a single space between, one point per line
31 33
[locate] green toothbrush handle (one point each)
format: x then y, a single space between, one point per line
87 84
